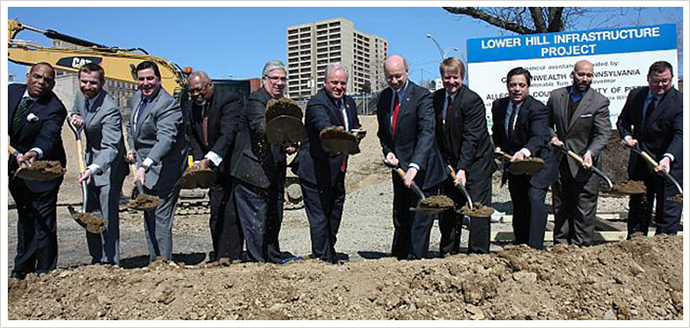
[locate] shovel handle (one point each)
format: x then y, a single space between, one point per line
13 151
415 188
462 188
504 155
654 163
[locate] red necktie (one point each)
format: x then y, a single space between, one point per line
396 108
343 165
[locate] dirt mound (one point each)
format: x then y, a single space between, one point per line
640 279
336 140
90 222
41 171
478 211
280 107
439 201
196 177
144 202
626 188
529 166
614 159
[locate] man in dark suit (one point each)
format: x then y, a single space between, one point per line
213 116
259 170
157 142
579 120
652 119
406 131
35 124
97 113
521 128
322 175
463 137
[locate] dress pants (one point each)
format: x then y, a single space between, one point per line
324 207
667 218
104 201
226 233
575 208
412 230
158 223
450 222
37 244
529 211
260 213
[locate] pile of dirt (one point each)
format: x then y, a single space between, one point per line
336 140
613 159
529 166
639 279
144 202
626 188
280 107
196 177
438 201
41 171
478 211
678 198
90 222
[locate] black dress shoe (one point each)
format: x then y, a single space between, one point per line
17 275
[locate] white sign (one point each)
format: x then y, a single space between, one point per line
621 59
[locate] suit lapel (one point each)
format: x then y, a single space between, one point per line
500 119
404 103
562 107
147 110
13 103
96 105
584 104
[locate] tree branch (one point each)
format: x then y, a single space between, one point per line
538 19
493 20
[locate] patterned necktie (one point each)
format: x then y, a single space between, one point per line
204 124
396 109
20 114
512 120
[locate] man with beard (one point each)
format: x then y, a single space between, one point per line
521 130
322 174
652 119
157 144
259 170
463 137
406 131
213 117
579 121
35 123
97 112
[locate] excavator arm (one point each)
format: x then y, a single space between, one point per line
118 63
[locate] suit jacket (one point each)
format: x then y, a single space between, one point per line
105 145
588 129
531 131
464 137
159 135
224 113
254 160
313 164
45 133
664 133
414 140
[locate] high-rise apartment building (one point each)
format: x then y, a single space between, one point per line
311 47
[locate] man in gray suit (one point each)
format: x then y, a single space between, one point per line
579 121
97 113
157 143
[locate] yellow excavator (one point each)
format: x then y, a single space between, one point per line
117 62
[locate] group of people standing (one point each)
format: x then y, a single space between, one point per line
429 136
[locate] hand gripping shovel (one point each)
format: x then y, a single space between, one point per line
91 222
138 199
472 210
39 170
654 164
593 168
462 188
425 205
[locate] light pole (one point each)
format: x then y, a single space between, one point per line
438 46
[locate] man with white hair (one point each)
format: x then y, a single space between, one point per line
322 174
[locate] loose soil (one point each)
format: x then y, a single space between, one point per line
92 223
678 198
529 166
478 211
280 107
438 201
627 188
196 177
639 279
41 171
336 140
613 159
144 202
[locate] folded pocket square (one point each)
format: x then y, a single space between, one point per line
586 115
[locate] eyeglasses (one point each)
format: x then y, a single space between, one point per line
277 78
660 81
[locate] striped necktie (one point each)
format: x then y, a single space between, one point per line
20 114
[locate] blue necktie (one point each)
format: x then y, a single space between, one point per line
142 106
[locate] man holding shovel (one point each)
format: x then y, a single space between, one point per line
652 121
96 112
578 121
463 137
157 143
406 130
35 123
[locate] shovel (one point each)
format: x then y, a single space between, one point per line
654 163
462 188
529 166
580 161
138 199
92 223
14 152
422 206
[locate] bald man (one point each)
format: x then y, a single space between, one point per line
35 118
406 131
579 121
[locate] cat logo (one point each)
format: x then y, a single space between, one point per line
76 62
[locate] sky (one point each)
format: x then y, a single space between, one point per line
238 41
